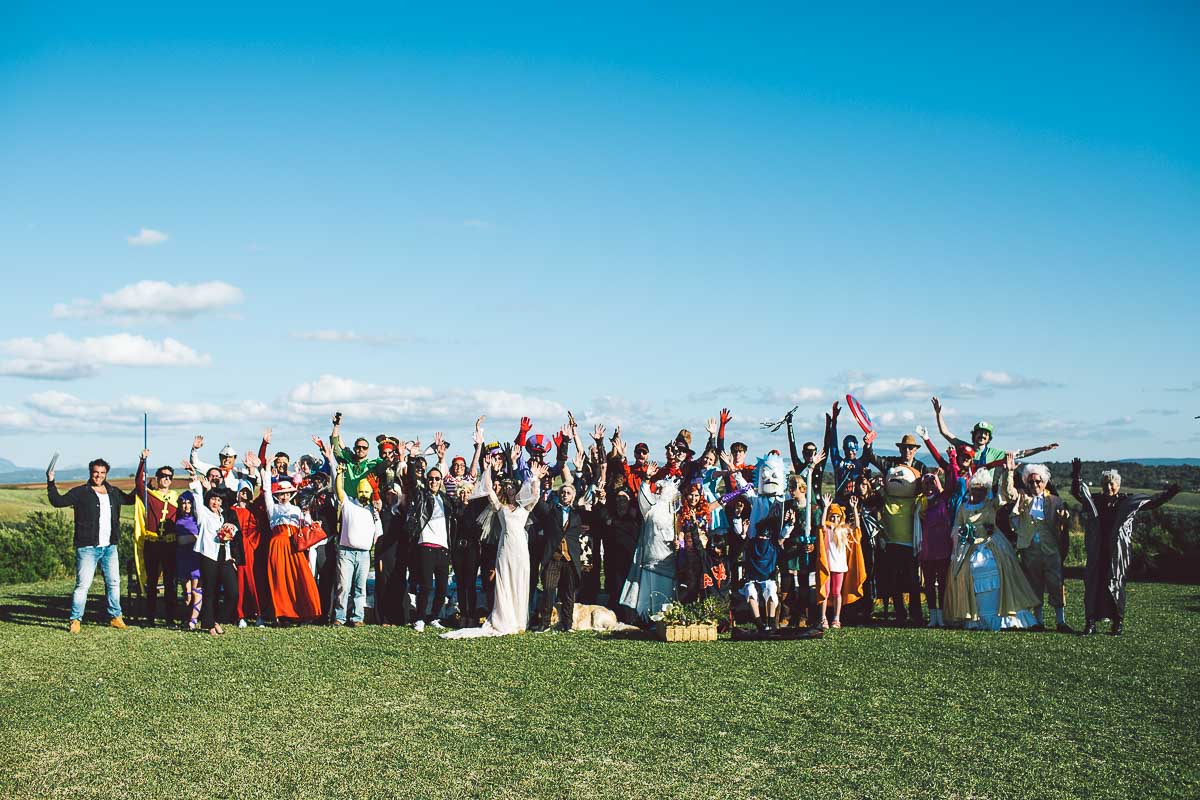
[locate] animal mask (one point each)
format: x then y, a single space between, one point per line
901 481
772 477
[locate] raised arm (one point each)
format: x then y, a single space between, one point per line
201 466
797 463
941 425
139 480
726 418
923 432
1161 498
474 467
340 484
1008 486
262 447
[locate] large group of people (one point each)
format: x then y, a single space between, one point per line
525 529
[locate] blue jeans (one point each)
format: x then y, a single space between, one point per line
353 566
86 559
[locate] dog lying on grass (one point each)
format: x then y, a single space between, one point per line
592 618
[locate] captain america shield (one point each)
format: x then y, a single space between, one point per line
860 413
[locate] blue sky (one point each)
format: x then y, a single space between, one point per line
640 216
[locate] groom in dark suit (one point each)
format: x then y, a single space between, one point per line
562 557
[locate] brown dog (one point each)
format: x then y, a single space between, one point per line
592 618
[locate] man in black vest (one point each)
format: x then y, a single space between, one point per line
562 557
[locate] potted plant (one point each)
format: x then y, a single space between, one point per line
690 622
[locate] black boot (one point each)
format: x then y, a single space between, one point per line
1117 626
1090 628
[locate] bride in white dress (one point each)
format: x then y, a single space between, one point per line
510 609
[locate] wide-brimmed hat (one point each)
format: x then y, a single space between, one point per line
908 440
282 486
683 441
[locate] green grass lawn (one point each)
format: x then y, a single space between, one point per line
323 712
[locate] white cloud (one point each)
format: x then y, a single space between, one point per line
154 301
1006 380
384 403
890 388
759 395
59 357
328 336
147 237
58 412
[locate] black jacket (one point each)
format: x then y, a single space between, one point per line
419 509
555 532
86 504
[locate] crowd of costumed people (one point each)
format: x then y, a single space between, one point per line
549 531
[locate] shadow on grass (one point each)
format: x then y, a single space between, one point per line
48 611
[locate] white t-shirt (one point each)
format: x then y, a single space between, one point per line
105 520
435 531
360 528
836 556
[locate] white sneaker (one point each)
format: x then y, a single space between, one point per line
241 623
258 623
436 624
419 626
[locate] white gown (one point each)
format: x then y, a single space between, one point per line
651 581
510 609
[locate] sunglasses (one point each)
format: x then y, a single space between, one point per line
361 447
433 478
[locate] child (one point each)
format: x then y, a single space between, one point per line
840 566
936 507
187 560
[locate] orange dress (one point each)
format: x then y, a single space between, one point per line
289 580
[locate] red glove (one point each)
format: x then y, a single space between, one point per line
558 439
526 425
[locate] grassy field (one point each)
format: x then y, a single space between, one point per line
872 712
16 501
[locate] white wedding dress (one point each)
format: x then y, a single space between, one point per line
510 608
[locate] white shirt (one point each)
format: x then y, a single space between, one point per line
360 527
435 531
105 520
208 523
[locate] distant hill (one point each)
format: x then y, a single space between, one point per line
1163 462
10 473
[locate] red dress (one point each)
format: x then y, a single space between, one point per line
248 607
293 588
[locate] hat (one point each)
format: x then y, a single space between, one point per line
908 440
984 425
538 444
493 448
683 441
228 450
358 489
836 509
641 446
282 485
970 451
386 442
457 459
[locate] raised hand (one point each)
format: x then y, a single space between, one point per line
571 421
711 426
922 431
1010 462
187 465
145 454
652 468
1052 446
726 416
598 433
477 437
439 443
828 499
616 433
854 502
267 435
252 461
526 424
937 405
197 442
538 471
819 457
837 409
319 442
1076 467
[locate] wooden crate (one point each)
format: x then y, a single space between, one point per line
700 632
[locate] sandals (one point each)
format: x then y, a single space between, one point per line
837 623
